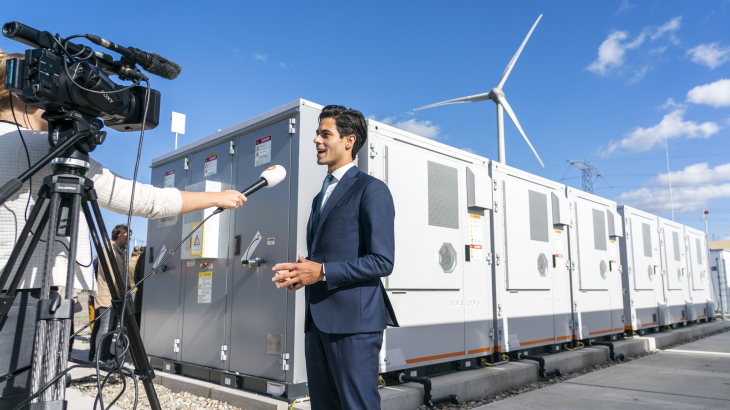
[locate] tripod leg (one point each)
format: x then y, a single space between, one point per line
65 325
41 368
136 346
21 240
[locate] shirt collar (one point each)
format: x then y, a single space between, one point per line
340 172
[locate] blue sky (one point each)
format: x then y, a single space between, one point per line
606 81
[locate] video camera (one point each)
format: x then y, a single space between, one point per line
61 77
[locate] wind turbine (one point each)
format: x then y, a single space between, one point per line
497 95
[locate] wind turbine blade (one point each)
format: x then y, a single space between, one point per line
471 98
512 62
513 117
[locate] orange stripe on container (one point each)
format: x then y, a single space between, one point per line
618 329
599 332
438 356
485 350
628 328
498 349
649 324
680 319
537 341
702 316
564 337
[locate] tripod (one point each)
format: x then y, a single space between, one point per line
68 192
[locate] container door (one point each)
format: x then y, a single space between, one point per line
593 241
427 230
674 256
161 300
258 313
697 262
204 290
528 223
644 247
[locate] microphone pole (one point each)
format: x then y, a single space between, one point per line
248 191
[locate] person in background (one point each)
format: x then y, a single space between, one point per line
130 270
92 308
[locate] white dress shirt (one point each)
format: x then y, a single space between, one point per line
336 177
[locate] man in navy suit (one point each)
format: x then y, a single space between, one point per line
351 245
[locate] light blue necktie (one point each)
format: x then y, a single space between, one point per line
318 207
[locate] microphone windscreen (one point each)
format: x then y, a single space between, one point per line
163 67
273 175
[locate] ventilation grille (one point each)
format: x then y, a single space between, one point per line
675 238
443 196
599 230
646 233
192 217
699 251
538 217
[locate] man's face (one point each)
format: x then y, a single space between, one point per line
331 149
122 239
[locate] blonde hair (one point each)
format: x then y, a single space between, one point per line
136 252
5 95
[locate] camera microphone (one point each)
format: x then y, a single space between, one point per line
151 62
269 178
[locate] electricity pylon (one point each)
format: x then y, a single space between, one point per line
587 172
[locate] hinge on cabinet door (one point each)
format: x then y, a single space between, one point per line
623 318
187 164
224 353
495 184
572 265
373 153
491 333
496 259
570 325
176 346
292 123
284 364
567 264
501 333
489 258
232 148
620 268
499 311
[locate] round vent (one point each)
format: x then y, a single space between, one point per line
542 264
603 269
447 258
651 272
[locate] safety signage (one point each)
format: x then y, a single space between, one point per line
263 151
170 179
211 165
196 241
205 286
558 240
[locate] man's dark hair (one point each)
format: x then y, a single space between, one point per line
349 122
118 230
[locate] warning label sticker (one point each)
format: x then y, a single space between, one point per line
170 179
475 252
263 151
196 241
205 286
211 165
475 229
558 239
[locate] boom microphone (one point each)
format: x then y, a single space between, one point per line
269 178
151 62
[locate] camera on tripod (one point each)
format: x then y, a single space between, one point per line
74 94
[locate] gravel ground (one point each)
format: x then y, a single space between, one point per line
168 399
554 380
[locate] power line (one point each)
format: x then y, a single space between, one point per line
587 171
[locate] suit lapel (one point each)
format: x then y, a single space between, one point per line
337 194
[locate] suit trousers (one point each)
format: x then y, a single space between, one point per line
342 369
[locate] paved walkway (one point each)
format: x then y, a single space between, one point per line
692 376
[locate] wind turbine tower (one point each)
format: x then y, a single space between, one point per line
497 95
587 171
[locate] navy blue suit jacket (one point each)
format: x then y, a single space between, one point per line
355 241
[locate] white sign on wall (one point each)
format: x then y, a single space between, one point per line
178 123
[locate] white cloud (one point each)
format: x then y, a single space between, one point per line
692 188
685 199
669 27
612 52
711 55
625 5
716 94
670 104
671 126
423 128
697 174
470 150
260 57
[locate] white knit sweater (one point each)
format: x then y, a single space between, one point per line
113 191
